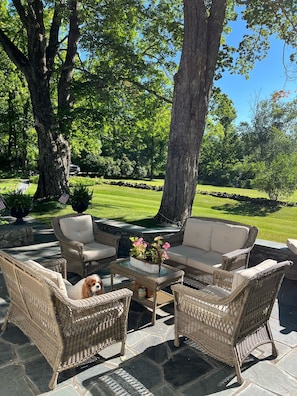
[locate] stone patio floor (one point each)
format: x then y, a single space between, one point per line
153 366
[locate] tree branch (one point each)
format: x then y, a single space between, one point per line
145 88
53 44
21 11
15 55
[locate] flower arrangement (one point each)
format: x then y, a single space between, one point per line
155 252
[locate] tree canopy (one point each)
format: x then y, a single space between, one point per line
100 76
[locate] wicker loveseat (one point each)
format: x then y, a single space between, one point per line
67 332
229 318
205 244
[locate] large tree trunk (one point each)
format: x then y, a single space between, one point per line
38 67
203 27
53 148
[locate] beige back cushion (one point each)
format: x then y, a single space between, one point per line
78 228
55 277
198 233
228 237
242 275
292 245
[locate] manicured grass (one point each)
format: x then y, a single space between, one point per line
139 206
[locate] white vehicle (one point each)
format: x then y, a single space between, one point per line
74 169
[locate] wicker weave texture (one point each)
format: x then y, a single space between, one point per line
229 325
73 251
67 332
238 258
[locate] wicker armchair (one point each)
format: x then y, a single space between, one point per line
229 319
67 332
85 247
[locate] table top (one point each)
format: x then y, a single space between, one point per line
166 275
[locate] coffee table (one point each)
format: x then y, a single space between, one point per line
153 282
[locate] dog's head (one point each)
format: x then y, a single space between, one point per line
92 286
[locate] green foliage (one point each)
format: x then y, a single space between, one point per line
221 147
279 179
17 200
270 144
277 17
80 194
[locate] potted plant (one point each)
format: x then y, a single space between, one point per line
148 256
80 198
19 204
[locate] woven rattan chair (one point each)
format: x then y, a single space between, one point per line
229 319
67 332
85 247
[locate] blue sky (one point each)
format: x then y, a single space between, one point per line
268 75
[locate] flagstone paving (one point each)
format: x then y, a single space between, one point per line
153 366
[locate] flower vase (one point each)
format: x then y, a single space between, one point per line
144 265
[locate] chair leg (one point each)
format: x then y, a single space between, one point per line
274 350
53 382
123 348
4 325
176 335
240 380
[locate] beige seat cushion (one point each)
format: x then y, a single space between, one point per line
181 253
292 245
206 261
244 274
78 228
55 277
228 237
198 233
95 251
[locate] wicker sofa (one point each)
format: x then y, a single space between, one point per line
67 332
205 244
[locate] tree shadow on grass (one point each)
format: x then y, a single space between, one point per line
248 209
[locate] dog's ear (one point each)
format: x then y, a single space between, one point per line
102 286
85 289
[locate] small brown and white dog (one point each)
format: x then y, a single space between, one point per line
90 286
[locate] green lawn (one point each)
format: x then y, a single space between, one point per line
139 206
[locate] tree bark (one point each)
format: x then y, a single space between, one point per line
37 66
203 25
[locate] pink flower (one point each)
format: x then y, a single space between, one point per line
138 242
165 256
166 246
149 251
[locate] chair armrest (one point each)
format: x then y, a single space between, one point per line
57 265
175 238
106 238
72 250
203 298
91 315
223 279
236 259
204 312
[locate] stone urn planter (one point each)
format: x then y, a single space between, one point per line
19 214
